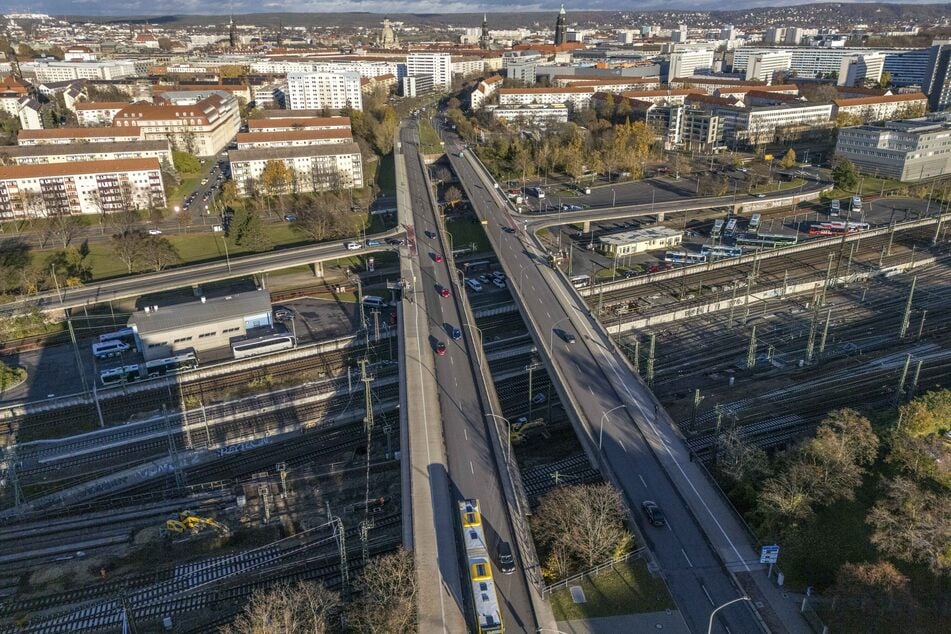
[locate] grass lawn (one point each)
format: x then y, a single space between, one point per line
386 175
466 232
783 186
429 141
627 589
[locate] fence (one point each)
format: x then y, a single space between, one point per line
595 570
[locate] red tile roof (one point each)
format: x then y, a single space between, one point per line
75 168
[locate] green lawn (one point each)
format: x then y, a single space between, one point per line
782 186
429 142
627 589
466 232
386 175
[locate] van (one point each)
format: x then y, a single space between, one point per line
539 192
374 301
473 284
112 348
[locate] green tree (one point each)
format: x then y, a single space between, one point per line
927 415
157 253
185 163
247 230
886 81
845 175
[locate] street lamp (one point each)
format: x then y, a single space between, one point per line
603 416
712 614
224 241
551 336
508 425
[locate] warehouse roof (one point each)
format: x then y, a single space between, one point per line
213 310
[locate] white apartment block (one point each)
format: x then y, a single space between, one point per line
762 66
204 129
98 113
884 108
70 152
530 115
81 187
316 91
486 88
811 61
57 136
467 65
313 167
291 138
764 124
687 63
287 121
54 71
856 68
578 98
29 114
366 68
435 65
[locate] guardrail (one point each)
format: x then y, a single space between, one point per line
594 570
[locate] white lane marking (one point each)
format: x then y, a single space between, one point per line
642 480
663 442
709 598
622 445
590 391
471 468
547 314
451 361
684 552
465 431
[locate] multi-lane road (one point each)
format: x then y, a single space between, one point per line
626 430
471 461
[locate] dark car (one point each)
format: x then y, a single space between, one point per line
441 349
289 217
506 559
430 234
283 314
396 242
566 336
508 229
654 515
456 334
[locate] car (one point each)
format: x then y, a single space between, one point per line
204 181
456 334
539 398
202 161
443 292
283 314
430 234
155 232
374 243
396 242
289 217
441 349
499 275
437 258
354 246
654 515
568 337
761 195
498 282
484 279
508 229
506 559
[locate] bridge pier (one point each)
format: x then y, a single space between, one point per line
661 215
318 269
586 226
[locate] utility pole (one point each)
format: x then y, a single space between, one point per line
264 492
367 397
810 346
914 381
899 393
906 318
729 323
650 361
11 460
173 451
341 538
825 333
751 352
79 359
637 355
696 407
921 325
282 472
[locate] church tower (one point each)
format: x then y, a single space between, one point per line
484 40
561 27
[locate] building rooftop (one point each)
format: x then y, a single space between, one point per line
294 135
299 122
79 133
76 168
101 105
639 235
296 151
197 313
57 149
864 101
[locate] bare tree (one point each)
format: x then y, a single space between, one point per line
63 228
158 253
452 195
387 603
305 608
873 597
127 246
913 524
739 460
835 458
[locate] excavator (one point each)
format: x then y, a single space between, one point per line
188 522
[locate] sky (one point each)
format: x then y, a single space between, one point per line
204 7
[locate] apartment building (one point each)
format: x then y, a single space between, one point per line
534 114
50 70
686 63
78 135
94 113
435 65
290 120
910 150
572 97
883 108
316 91
486 88
204 128
70 152
416 85
314 167
763 66
904 65
607 84
288 138
857 69
80 187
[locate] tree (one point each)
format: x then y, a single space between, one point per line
63 228
886 80
157 253
14 257
913 524
739 460
452 195
834 458
185 163
127 246
927 415
874 596
845 175
789 159
284 608
247 230
275 178
229 194
786 499
184 219
387 603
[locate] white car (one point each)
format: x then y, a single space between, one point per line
155 232
354 246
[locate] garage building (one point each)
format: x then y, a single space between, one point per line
626 243
201 325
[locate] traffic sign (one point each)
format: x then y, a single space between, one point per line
769 554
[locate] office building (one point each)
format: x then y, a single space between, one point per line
910 150
291 120
883 108
78 135
80 187
203 325
856 70
687 63
331 166
435 65
701 131
774 35
907 67
938 77
521 68
762 67
317 91
625 243
416 85
98 113
48 70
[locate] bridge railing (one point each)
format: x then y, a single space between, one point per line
594 571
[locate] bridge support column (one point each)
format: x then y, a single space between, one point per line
586 226
318 269
661 215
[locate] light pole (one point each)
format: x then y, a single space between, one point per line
551 336
712 614
603 416
224 241
508 434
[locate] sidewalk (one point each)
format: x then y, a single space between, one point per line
669 621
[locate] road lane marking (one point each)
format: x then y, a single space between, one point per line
590 391
466 432
642 480
684 552
471 468
709 598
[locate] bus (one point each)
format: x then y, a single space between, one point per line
837 228
262 345
717 228
856 204
834 208
121 374
754 223
719 252
125 335
171 365
479 567
682 257
766 240
580 281
730 227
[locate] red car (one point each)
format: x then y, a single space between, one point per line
437 258
444 291
441 349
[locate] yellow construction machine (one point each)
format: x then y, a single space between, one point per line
188 522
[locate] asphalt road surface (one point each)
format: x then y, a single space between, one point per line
637 444
472 465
